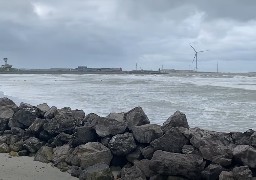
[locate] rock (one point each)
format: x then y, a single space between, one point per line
212 172
51 112
4 148
143 165
117 116
78 114
37 126
7 103
105 127
17 131
90 154
148 152
44 154
7 108
134 156
174 164
189 149
43 107
105 141
3 139
23 152
32 144
90 120
13 154
253 140
178 119
136 117
3 124
61 139
242 173
122 144
225 175
17 146
13 139
62 122
24 117
133 173
97 172
60 153
147 133
175 178
240 138
75 171
158 177
214 146
245 154
172 141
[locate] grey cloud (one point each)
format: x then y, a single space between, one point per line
120 33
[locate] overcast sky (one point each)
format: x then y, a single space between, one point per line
121 33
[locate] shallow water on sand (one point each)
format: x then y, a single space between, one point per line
216 102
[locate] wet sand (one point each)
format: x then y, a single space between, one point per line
25 168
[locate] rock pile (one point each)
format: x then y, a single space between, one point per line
124 145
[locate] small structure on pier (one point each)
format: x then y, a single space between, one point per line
6 66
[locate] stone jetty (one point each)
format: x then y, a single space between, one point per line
124 145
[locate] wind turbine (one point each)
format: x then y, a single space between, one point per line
196 53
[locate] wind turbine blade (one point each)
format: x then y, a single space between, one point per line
200 51
193 48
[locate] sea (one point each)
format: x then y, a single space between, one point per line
219 102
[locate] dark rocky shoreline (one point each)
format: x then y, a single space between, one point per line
124 145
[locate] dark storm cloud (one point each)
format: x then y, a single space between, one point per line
120 33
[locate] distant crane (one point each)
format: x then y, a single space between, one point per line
196 53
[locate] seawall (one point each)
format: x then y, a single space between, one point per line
124 145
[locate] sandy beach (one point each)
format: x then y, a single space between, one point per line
24 168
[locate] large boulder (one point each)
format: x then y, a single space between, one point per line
212 172
105 127
7 108
43 107
60 154
214 146
60 139
136 117
63 121
24 117
122 144
90 154
175 164
242 173
147 133
172 141
178 119
32 144
83 135
240 138
37 126
97 172
51 112
117 116
246 155
143 165
44 154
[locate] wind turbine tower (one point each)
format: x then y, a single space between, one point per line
196 54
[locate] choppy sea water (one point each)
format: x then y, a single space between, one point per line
219 102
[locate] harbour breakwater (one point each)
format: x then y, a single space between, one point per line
124 145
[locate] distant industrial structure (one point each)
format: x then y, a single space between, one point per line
6 66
